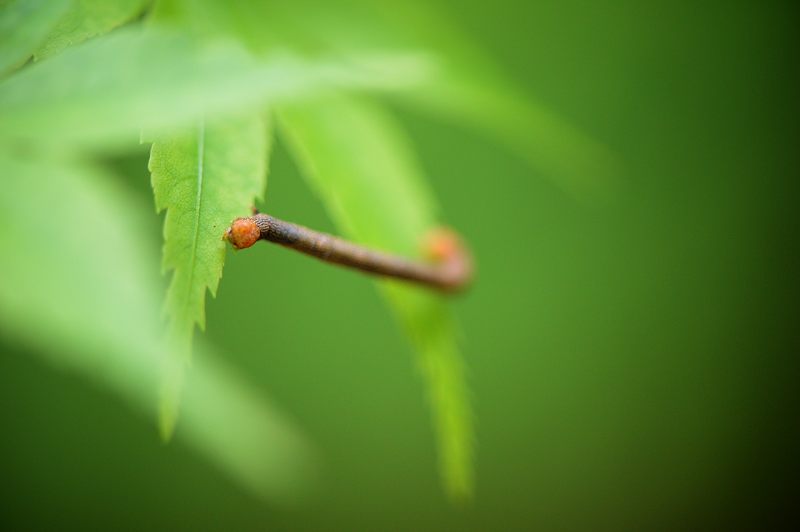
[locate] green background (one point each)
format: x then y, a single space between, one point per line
628 358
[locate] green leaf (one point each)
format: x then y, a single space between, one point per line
202 179
23 25
79 289
103 92
361 165
86 19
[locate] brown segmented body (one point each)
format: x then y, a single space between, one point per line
450 269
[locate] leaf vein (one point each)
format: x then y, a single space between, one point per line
198 203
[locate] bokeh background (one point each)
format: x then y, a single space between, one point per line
630 357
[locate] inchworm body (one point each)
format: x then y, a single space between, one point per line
450 269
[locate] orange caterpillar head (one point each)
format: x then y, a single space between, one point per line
242 233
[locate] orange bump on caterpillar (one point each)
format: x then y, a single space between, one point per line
442 244
446 248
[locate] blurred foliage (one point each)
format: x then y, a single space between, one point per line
161 79
86 19
85 299
200 79
23 25
629 360
373 189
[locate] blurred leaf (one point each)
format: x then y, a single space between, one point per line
78 287
469 87
103 92
472 89
559 151
243 20
23 25
86 19
361 165
202 179
227 418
